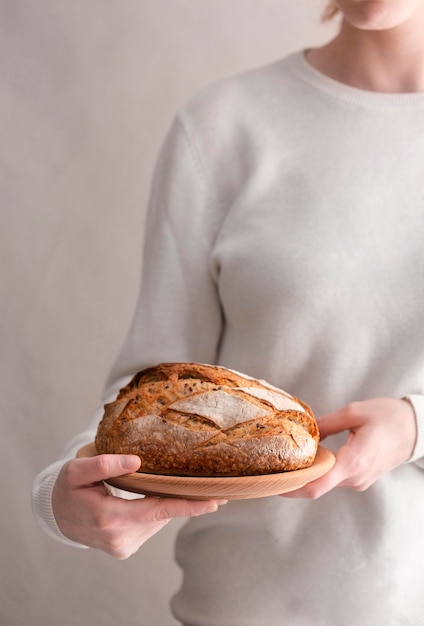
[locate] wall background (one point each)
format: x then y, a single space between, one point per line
87 91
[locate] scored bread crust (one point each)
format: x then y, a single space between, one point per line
192 419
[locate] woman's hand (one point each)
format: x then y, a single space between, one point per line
382 434
85 513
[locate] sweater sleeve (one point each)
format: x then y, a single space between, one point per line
178 314
42 495
44 482
417 402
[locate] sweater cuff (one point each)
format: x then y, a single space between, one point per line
42 504
417 403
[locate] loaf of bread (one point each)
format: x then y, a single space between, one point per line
191 419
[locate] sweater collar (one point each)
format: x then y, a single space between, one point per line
299 65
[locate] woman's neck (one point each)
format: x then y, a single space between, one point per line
384 61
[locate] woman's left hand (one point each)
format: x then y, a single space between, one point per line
382 434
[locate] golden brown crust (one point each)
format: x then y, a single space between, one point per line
201 420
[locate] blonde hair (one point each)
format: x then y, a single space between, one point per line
330 11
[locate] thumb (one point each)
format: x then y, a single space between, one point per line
332 423
101 467
349 417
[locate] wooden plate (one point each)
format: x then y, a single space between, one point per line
227 488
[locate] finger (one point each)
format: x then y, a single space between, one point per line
348 418
341 474
84 472
318 487
158 509
331 424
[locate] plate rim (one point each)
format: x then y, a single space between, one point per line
227 487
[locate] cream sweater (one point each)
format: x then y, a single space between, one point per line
285 240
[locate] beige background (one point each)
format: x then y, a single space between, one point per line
87 90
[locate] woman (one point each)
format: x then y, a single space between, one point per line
284 240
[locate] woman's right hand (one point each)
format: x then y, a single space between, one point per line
87 514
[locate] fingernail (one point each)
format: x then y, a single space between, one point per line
128 462
212 508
